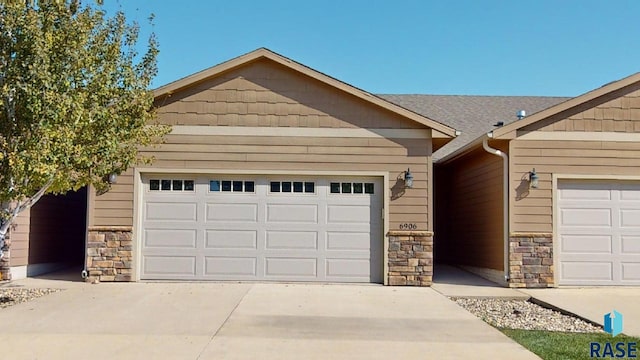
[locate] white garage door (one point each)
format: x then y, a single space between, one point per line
599 233
258 228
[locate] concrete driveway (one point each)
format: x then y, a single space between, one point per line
247 321
593 303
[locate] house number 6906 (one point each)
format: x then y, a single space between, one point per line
408 226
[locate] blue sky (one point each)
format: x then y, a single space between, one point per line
472 47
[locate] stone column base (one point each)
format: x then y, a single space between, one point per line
410 258
5 267
109 254
531 260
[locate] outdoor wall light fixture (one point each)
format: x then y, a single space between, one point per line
408 179
113 177
533 179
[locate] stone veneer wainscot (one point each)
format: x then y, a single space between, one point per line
109 253
531 260
410 258
5 267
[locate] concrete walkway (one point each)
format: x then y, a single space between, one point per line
246 321
454 282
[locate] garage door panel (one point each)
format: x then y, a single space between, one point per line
232 212
630 244
599 234
231 239
348 214
583 192
629 192
347 267
593 244
173 238
290 267
286 213
630 272
230 266
292 240
169 265
630 218
587 271
585 217
171 211
348 241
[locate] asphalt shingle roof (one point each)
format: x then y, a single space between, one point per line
472 115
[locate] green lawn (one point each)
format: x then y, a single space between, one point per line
565 346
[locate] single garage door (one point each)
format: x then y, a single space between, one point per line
599 233
287 228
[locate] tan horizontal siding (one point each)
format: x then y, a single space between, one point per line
533 211
20 240
280 149
281 157
469 200
115 207
578 160
409 200
601 152
391 156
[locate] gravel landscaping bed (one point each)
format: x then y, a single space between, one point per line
12 296
522 314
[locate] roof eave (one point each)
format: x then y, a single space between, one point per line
468 147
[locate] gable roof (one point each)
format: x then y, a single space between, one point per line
263 53
509 130
473 115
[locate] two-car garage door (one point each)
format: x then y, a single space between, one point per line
287 228
599 233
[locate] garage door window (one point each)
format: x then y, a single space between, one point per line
170 185
301 187
351 188
236 186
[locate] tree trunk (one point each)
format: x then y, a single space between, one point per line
4 229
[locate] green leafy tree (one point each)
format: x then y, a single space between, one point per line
75 103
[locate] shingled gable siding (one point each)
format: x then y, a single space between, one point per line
532 210
472 193
265 93
268 95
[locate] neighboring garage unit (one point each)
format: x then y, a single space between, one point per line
547 198
296 228
599 232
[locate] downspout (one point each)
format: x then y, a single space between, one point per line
505 201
